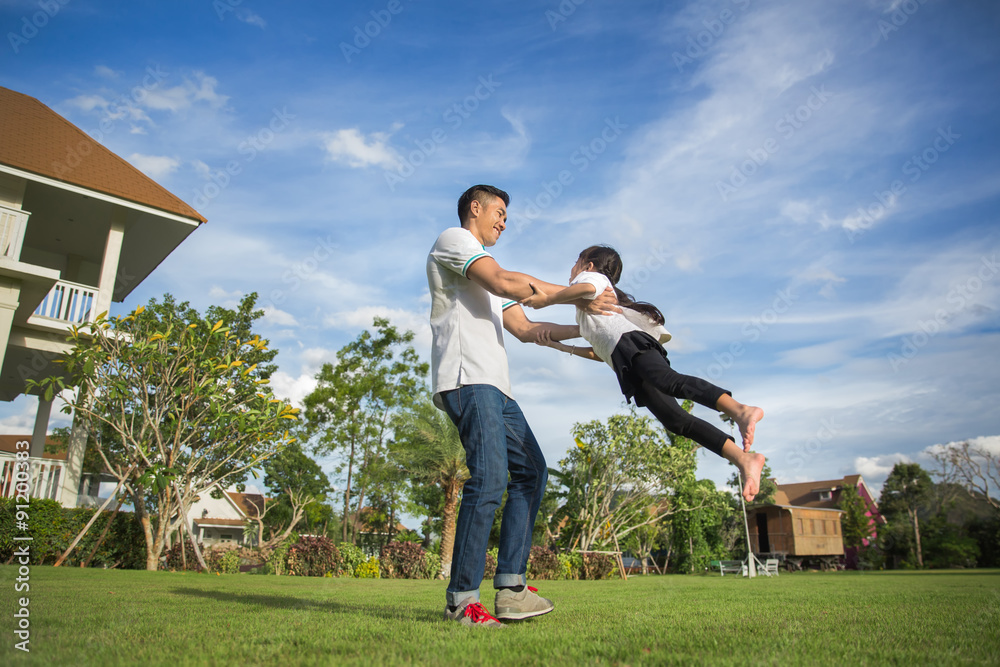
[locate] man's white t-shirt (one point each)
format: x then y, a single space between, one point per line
604 331
466 320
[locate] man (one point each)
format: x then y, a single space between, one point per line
472 297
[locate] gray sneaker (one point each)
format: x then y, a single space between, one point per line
511 606
471 612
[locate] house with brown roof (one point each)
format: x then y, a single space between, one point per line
221 520
802 525
79 228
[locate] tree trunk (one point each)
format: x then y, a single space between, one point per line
448 529
347 491
104 533
916 535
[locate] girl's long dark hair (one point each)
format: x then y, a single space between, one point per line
607 261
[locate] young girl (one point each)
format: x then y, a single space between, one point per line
630 343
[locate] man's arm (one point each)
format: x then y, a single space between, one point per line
526 331
489 275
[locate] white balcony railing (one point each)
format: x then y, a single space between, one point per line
41 475
12 224
69 302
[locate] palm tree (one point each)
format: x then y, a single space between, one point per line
427 446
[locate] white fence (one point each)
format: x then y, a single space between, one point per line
41 475
69 302
12 224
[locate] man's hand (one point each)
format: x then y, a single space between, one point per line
538 298
605 303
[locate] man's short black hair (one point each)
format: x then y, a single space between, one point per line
484 194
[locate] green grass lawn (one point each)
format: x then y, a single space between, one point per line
108 617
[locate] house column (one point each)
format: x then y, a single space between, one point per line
109 266
41 427
10 293
69 482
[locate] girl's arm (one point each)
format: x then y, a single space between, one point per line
544 338
539 299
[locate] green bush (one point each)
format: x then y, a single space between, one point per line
351 558
313 557
597 566
174 561
432 565
53 527
368 570
230 562
570 566
543 564
402 560
277 559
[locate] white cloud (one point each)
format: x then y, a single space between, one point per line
293 389
876 468
248 16
154 166
106 72
279 317
178 98
352 148
88 102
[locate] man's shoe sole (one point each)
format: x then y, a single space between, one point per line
520 616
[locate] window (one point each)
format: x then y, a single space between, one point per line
822 527
826 495
226 537
799 531
812 526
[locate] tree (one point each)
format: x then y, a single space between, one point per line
616 471
767 486
300 484
352 408
428 448
905 492
177 402
856 522
972 465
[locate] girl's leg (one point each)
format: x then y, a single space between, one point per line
676 420
653 368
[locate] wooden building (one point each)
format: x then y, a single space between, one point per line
803 523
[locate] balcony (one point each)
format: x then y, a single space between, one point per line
12 226
42 476
68 302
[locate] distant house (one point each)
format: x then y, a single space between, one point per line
79 228
803 522
222 520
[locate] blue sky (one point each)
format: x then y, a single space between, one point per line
807 190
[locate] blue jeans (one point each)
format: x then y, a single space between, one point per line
501 452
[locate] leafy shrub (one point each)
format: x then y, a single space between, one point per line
570 566
214 554
597 566
277 559
402 560
491 564
351 558
432 565
368 570
543 564
230 562
52 528
174 560
313 557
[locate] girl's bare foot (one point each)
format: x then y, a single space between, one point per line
751 465
747 419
